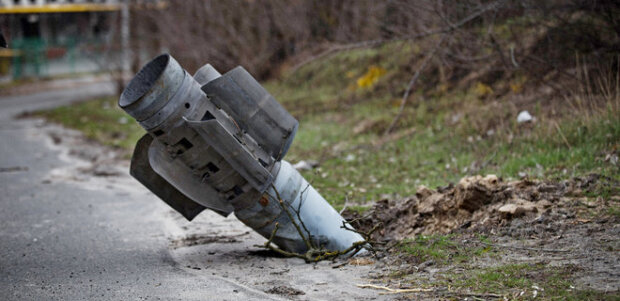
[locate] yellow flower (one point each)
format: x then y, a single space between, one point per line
371 77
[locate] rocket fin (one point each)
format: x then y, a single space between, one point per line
143 172
181 177
228 147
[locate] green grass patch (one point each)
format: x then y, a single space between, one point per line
434 155
614 210
525 281
100 120
443 249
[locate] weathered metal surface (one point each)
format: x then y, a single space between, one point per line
322 222
152 87
239 158
222 150
174 171
206 74
143 172
249 104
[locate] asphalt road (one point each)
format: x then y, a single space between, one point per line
75 226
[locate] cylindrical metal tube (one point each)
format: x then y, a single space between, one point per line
206 74
317 219
152 87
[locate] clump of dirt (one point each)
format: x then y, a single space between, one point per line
475 203
284 290
196 239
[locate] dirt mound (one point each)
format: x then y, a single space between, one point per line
476 203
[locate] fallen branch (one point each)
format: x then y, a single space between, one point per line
366 235
396 290
314 253
290 216
268 244
298 211
425 290
392 137
344 207
476 295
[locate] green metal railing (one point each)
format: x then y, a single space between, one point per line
29 59
32 57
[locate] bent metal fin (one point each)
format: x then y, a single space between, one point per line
142 171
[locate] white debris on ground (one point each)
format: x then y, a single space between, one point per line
306 165
349 158
524 116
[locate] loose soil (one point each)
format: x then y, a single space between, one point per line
553 224
489 205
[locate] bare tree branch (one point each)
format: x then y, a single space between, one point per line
449 28
412 81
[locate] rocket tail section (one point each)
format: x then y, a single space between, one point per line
142 171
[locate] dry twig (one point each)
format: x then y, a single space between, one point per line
315 252
396 290
414 78
425 290
557 126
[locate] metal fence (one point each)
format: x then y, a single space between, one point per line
38 58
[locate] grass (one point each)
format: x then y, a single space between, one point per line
445 133
100 120
333 113
458 270
433 155
525 282
442 249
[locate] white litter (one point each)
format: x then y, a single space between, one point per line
524 116
305 165
349 158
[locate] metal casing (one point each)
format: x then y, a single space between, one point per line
254 109
216 141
